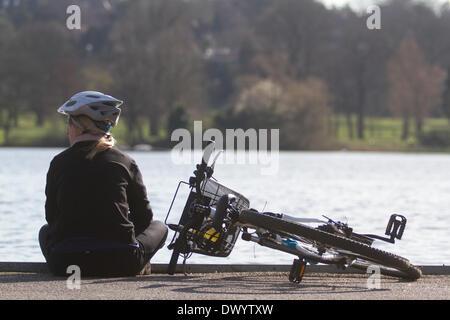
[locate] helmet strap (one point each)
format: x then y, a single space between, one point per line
76 123
94 125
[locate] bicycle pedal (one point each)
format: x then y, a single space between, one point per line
297 271
396 226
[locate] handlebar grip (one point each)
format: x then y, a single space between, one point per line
221 210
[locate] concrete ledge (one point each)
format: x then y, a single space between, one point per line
35 267
39 267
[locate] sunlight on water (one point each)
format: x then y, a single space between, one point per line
363 189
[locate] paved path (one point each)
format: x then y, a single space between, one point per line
222 286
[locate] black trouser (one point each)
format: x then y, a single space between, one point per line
103 260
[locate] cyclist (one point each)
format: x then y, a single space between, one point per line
97 211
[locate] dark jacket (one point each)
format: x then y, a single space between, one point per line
102 198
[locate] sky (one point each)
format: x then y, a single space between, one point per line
363 4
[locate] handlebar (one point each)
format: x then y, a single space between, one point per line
202 168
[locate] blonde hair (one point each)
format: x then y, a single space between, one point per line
86 124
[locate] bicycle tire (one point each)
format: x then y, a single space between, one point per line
401 266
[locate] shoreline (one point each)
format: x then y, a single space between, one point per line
368 149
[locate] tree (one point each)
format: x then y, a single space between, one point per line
355 69
306 109
9 102
414 84
64 81
262 95
178 118
446 97
299 109
297 28
41 48
157 62
256 105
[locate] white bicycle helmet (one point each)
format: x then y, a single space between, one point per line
96 105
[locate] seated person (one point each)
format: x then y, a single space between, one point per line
97 211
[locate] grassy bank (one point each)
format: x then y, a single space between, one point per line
51 134
381 134
384 134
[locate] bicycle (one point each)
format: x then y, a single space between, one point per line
214 216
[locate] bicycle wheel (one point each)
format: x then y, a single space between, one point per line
389 263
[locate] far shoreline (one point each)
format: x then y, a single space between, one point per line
369 149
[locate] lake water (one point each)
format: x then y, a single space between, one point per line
363 189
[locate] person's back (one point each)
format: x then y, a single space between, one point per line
97 209
92 198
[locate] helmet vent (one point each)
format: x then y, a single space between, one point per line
93 96
70 103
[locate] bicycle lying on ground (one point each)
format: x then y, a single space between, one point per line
214 216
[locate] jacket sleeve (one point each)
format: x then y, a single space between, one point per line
141 213
50 193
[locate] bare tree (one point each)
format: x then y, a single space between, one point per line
446 97
157 62
306 107
414 85
300 107
39 50
9 80
299 29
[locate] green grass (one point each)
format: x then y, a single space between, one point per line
382 133
51 133
27 133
